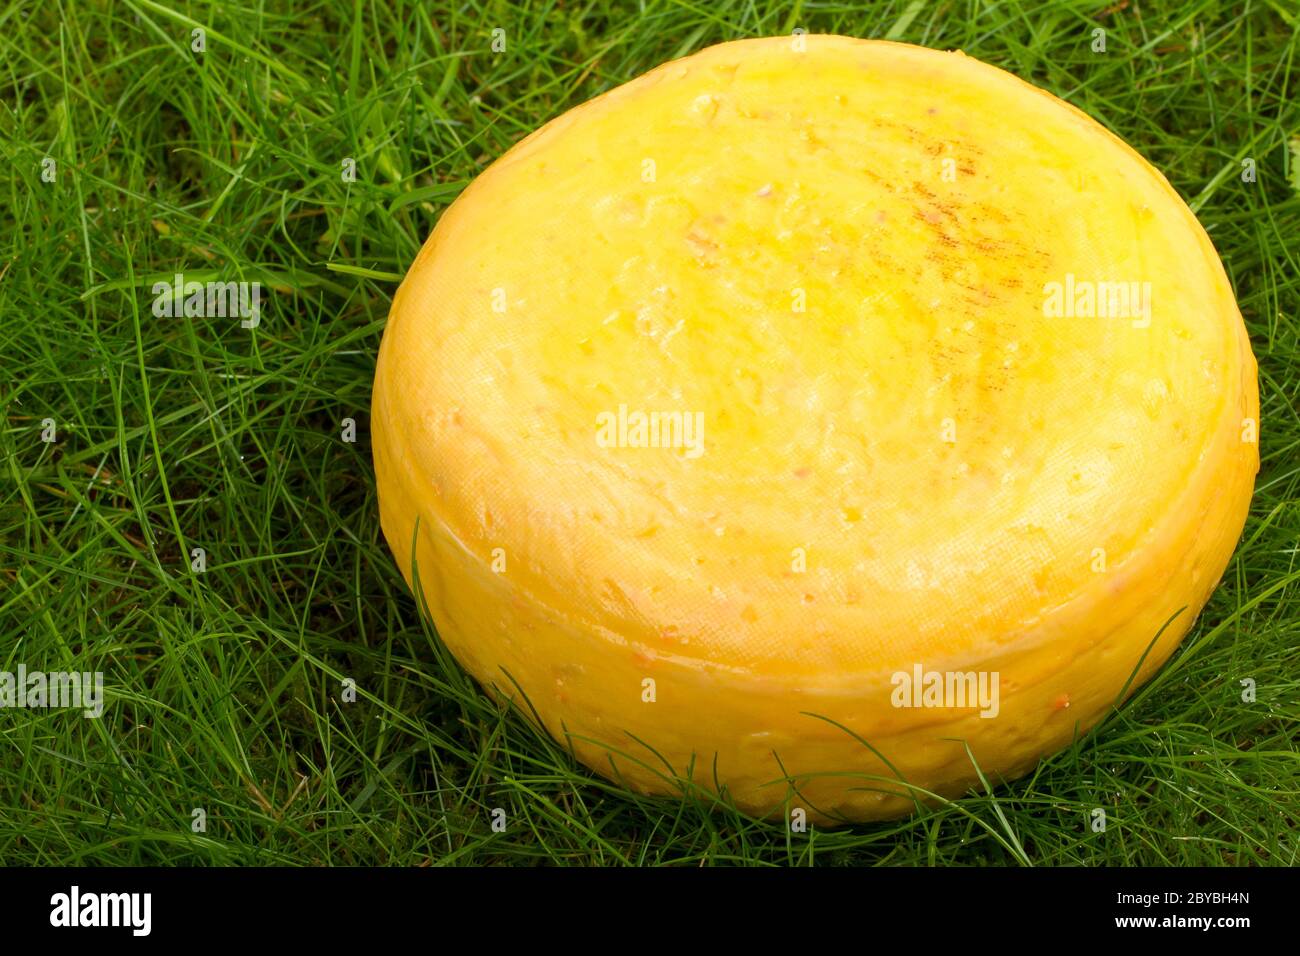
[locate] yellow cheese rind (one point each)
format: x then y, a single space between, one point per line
838 252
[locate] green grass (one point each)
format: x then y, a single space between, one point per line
225 687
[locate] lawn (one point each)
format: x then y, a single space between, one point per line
231 734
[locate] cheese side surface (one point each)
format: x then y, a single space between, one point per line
817 417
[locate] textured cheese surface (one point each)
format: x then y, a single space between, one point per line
839 257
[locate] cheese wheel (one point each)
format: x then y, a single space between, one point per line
819 420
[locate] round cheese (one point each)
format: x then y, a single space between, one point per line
816 419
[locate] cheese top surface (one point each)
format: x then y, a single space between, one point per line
926 345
